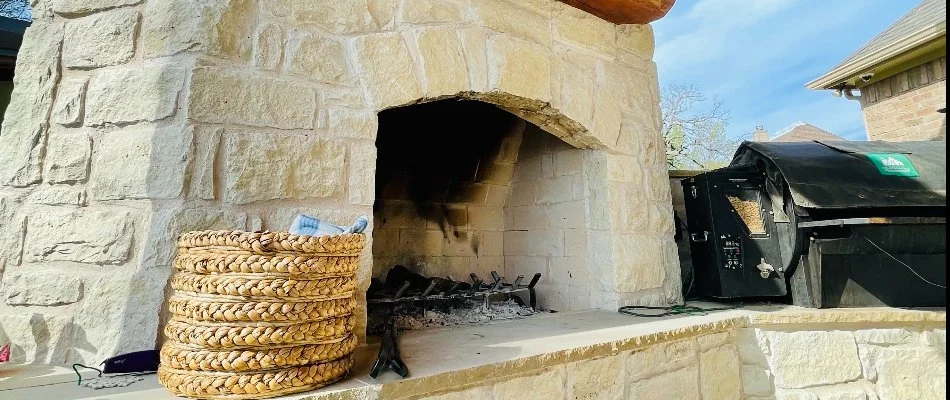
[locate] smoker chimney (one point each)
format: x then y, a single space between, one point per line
760 134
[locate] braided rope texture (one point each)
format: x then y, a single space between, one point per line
204 310
259 315
229 285
177 356
221 262
274 242
253 385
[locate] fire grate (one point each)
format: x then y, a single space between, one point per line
405 286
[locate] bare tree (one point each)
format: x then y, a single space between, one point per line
16 9
694 130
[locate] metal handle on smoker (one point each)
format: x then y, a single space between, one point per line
695 237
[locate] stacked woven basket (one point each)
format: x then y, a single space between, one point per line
258 315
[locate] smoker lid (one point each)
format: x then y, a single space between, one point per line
840 175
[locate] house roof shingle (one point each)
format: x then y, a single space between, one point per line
922 23
805 132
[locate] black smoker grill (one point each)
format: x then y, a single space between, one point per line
828 224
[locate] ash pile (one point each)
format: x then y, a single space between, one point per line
414 301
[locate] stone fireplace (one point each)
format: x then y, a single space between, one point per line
513 135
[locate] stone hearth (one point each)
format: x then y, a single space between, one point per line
133 121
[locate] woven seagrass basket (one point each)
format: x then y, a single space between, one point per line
259 315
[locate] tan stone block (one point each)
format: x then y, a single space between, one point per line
714 340
661 358
298 167
892 336
569 162
486 218
12 229
536 243
155 89
431 12
526 265
639 263
661 218
207 142
219 95
25 122
385 242
527 169
342 96
319 58
71 7
756 381
421 242
570 271
388 70
269 47
519 68
140 164
496 174
680 384
528 218
912 374
552 297
36 337
100 40
556 190
362 174
67 157
85 235
522 194
476 58
58 195
58 288
575 242
596 379
570 214
442 61
221 28
337 17
497 196
504 17
70 96
350 123
481 393
584 29
636 39
719 377
624 168
490 244
547 165
575 93
831 357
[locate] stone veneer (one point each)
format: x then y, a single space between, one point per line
778 355
133 121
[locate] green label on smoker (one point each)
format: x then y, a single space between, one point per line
894 164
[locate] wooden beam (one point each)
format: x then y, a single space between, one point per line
625 11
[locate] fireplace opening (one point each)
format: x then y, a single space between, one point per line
464 187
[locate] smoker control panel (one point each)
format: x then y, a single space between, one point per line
731 252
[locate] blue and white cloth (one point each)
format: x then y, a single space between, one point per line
311 226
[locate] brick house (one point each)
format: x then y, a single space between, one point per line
901 75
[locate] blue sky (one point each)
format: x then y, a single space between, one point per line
757 55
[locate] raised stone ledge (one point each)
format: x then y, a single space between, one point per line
480 360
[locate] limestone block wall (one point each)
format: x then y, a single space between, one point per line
545 221
132 121
808 356
904 107
443 174
886 362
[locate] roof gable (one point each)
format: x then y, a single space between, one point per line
805 132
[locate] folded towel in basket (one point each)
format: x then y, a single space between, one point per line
311 226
